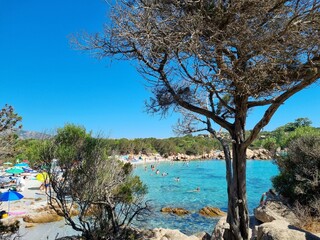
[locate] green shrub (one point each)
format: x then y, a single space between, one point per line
299 178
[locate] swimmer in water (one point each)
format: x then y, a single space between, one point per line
195 190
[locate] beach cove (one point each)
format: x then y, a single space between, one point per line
163 191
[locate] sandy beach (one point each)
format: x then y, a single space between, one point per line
33 200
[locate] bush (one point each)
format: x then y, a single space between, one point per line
94 182
299 176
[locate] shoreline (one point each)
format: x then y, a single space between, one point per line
34 199
145 162
256 154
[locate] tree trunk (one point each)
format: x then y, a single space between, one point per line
238 215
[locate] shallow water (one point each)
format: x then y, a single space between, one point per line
209 176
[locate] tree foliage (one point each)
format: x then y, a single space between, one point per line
283 135
102 189
299 178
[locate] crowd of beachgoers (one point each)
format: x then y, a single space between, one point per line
20 187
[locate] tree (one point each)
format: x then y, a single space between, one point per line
107 197
303 122
8 121
215 61
299 122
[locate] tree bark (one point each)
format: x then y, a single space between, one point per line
238 215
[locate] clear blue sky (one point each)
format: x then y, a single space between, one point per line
50 84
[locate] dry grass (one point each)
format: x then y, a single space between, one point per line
311 225
308 221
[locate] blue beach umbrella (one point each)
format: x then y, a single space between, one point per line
23 164
15 170
10 196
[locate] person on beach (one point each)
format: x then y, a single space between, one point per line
18 180
22 183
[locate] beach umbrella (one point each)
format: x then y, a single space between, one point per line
21 165
42 177
15 170
10 196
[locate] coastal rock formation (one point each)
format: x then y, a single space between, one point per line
279 222
202 236
261 154
42 217
275 210
170 234
165 234
258 154
177 211
211 212
280 230
46 214
220 228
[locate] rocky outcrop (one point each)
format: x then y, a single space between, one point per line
46 214
281 230
202 236
219 229
42 217
260 154
211 212
177 211
275 210
170 234
279 223
165 234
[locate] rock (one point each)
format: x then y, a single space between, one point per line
203 235
42 217
261 153
220 228
275 210
46 214
211 212
177 211
29 225
169 234
281 230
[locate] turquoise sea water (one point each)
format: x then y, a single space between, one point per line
209 176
